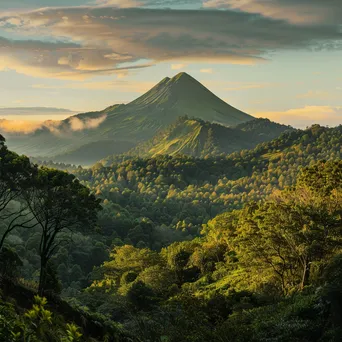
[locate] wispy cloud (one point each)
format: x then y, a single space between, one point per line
150 3
320 95
100 40
71 124
62 60
295 11
234 86
119 85
306 116
18 126
36 111
247 85
207 71
178 66
77 124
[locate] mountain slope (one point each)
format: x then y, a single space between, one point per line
181 189
90 153
198 138
134 122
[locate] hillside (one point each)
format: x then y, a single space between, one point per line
167 258
198 138
183 192
125 125
91 152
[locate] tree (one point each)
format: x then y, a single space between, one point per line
295 229
60 204
9 263
16 173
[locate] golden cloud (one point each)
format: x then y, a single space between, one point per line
306 116
207 71
115 40
294 11
25 127
178 66
119 85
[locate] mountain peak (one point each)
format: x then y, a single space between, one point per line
182 76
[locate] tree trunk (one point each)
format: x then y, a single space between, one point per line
42 276
2 241
305 276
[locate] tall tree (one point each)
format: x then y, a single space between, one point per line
16 173
296 228
60 204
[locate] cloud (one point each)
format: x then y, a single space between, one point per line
178 66
36 111
294 11
320 95
95 40
306 116
207 71
60 59
150 3
247 85
119 85
123 3
77 124
233 86
72 123
18 126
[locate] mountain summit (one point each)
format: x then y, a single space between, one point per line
118 128
184 95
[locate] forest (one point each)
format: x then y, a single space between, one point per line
243 246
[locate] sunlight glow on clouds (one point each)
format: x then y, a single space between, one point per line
207 71
306 116
295 11
101 40
18 126
178 66
27 126
79 125
122 86
320 95
92 44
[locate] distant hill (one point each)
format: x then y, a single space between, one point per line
198 138
122 126
90 153
159 187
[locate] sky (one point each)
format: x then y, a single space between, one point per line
279 59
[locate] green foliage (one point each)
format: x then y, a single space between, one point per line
73 334
9 331
58 202
37 324
179 194
267 272
198 138
201 249
9 263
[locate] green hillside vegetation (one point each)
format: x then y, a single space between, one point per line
240 247
198 138
126 125
40 211
177 195
268 272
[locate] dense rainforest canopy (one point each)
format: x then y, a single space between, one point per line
239 247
